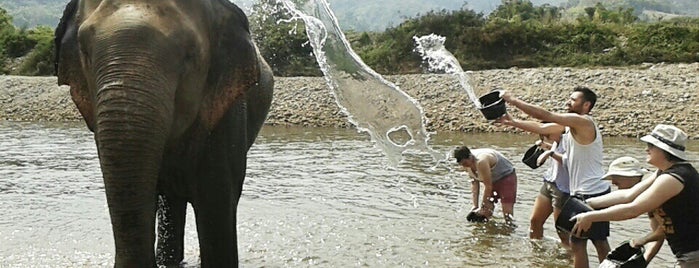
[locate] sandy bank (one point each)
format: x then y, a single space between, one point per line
631 100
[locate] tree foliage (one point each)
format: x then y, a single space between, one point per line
517 33
35 46
283 44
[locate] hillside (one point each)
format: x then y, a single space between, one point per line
678 7
30 13
370 15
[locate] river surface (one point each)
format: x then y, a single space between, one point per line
313 197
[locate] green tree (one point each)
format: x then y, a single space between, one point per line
284 45
40 60
5 26
393 50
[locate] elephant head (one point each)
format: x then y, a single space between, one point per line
151 78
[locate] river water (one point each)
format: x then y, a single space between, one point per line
312 197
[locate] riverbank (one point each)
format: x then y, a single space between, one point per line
631 101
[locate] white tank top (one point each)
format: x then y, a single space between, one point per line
584 164
557 172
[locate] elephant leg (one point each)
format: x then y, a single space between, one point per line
218 187
172 214
217 235
215 209
216 227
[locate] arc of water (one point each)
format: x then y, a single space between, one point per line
438 58
372 104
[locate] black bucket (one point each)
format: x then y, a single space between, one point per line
625 256
475 217
531 156
492 106
573 206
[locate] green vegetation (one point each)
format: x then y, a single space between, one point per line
25 52
517 33
283 45
520 34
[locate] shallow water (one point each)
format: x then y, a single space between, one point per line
313 197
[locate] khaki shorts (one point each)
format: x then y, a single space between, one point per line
557 197
688 260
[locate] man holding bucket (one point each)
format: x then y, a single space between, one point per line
583 158
498 176
626 173
672 197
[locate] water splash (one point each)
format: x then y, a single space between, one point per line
394 120
438 58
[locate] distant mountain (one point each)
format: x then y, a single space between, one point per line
648 10
30 13
377 15
374 15
677 7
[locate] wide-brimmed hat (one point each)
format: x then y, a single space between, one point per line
625 166
668 138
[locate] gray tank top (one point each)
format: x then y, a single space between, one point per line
502 168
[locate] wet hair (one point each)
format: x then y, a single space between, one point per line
588 95
461 153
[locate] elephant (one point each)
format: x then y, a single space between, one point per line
175 92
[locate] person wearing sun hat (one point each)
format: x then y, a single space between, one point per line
625 172
671 194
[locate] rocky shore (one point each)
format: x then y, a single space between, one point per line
631 100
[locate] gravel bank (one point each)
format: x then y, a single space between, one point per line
631 100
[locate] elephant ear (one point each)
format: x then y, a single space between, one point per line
234 66
67 66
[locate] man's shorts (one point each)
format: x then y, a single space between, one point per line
506 188
690 259
600 230
549 190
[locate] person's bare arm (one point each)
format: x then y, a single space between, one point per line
483 167
558 157
581 127
662 189
475 192
654 240
531 126
620 196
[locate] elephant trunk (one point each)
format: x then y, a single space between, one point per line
134 102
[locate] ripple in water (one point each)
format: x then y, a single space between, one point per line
312 197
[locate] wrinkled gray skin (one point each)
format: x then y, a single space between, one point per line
175 92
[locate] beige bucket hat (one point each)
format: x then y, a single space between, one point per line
625 166
668 138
